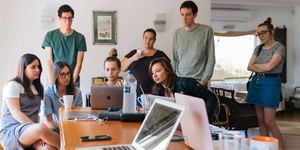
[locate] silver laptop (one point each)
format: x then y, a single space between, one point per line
194 123
156 130
104 96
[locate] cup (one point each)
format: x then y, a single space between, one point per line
263 143
67 101
232 140
145 102
140 52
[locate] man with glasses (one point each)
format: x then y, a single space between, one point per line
65 44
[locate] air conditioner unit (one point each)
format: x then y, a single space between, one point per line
230 15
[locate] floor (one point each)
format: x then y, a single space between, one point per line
291 141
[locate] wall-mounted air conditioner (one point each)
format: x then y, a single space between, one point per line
230 15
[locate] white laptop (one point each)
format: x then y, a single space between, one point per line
153 97
156 130
194 123
104 96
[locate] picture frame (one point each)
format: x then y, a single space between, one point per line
104 27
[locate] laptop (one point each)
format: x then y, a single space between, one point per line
153 97
194 123
156 130
104 96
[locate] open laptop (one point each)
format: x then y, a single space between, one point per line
156 130
153 97
104 96
194 123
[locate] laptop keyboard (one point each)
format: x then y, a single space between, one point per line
119 148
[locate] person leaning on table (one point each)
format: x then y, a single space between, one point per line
63 85
167 83
22 98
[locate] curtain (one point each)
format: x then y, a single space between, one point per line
234 33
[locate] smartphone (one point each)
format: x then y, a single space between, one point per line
95 138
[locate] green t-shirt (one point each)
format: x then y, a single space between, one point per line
65 47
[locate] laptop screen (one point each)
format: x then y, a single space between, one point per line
158 127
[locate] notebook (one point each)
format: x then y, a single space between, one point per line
104 96
194 123
156 130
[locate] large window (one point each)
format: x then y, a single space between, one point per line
232 56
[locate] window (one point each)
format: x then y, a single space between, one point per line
232 57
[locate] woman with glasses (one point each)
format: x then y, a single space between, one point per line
22 98
63 85
265 87
112 67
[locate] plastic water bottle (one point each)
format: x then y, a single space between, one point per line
129 94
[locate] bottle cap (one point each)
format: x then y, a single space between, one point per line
130 72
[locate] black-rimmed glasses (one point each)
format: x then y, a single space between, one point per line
65 18
263 32
63 75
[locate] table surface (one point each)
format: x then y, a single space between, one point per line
121 132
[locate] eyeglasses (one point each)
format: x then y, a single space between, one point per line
63 75
263 32
65 18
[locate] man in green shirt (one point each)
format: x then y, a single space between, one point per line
193 46
65 44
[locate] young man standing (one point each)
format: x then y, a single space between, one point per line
193 46
65 44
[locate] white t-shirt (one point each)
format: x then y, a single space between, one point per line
13 89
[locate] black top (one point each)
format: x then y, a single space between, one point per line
140 70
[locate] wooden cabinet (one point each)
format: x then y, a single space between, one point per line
280 36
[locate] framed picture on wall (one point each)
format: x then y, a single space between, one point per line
104 27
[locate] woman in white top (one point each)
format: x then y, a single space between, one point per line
22 97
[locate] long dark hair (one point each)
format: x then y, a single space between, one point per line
165 63
21 78
57 67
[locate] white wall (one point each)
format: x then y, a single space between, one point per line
20 30
280 18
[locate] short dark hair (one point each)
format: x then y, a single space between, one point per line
57 67
150 30
191 5
65 8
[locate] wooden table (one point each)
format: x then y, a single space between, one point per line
121 132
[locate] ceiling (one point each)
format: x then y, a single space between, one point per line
256 4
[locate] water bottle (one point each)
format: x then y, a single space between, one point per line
129 94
